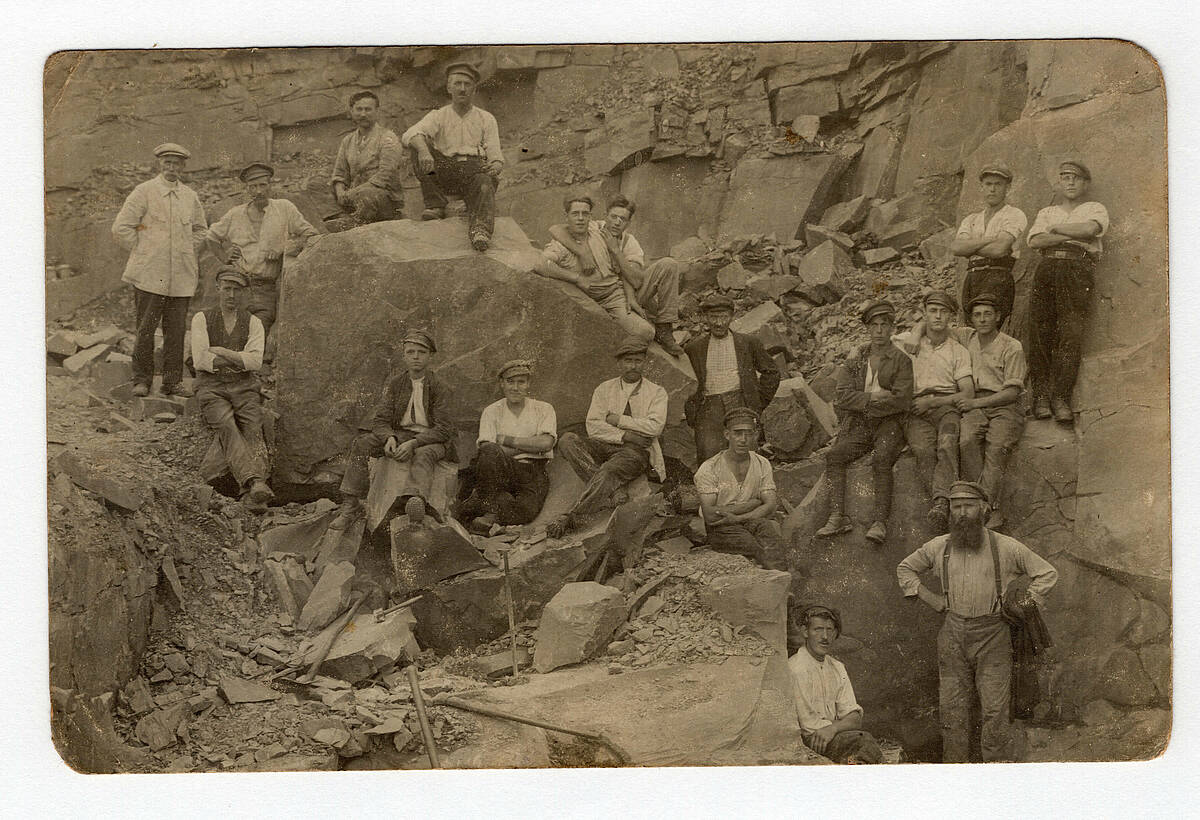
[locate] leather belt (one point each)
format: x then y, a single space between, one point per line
984 263
1069 252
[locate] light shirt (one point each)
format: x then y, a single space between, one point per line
721 371
282 229
647 400
474 134
251 355
601 282
715 476
871 381
822 691
371 159
628 244
1047 218
937 369
536 417
414 417
161 225
1001 364
972 574
1008 219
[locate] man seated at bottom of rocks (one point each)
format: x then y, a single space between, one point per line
738 497
516 441
830 717
624 421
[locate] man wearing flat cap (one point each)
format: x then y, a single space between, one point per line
162 225
412 424
507 480
829 715
732 370
874 393
974 566
259 237
366 172
1069 238
625 419
738 498
227 352
941 378
455 150
988 239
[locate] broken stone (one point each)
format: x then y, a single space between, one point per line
117 357
137 696
84 359
162 676
1152 622
1099 712
119 421
366 646
758 323
756 599
1123 681
329 597
733 277
63 343
846 217
147 407
903 235
328 731
237 690
337 546
109 334
773 287
301 538
91 479
177 663
278 581
806 126
576 623
824 270
798 421
108 374
499 665
158 730
1156 661
617 648
651 607
164 418
424 555
877 256
817 235
679 545
173 583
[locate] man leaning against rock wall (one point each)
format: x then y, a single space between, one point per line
988 240
366 172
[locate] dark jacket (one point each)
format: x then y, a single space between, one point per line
757 372
895 374
388 416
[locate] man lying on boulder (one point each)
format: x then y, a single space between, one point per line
516 441
411 424
624 421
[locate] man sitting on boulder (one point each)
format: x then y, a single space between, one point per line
988 240
366 172
732 370
738 496
456 150
227 351
411 424
874 392
516 441
652 291
624 421
830 717
597 276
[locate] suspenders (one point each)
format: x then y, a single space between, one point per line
999 604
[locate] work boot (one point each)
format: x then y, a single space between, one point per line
350 510
141 389
939 515
838 524
1041 408
415 510
877 534
664 334
480 240
1062 411
430 214
260 492
559 526
176 389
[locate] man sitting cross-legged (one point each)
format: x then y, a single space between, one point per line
624 421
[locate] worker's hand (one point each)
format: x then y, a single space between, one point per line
405 450
636 439
343 197
923 404
964 405
271 256
424 161
821 738
493 167
612 418
634 307
881 395
389 447
235 254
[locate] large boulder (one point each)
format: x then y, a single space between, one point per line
798 421
780 194
674 201
577 624
349 300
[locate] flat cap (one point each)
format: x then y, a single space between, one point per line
717 302
631 345
256 170
420 337
969 489
984 299
171 149
462 68
516 367
233 275
736 414
1074 166
878 308
940 297
997 169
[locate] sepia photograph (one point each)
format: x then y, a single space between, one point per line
607 405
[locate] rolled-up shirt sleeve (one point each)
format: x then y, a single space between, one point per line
1015 367
489 425
202 357
1094 211
597 417
908 572
491 139
633 250
1013 222
389 162
252 353
428 127
1041 223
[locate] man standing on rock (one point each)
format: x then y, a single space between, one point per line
874 392
593 272
732 370
830 717
975 566
1068 237
988 239
625 419
516 441
366 173
456 150
410 424
161 224
942 377
259 236
738 496
652 291
227 351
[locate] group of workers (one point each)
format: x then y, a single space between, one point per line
954 395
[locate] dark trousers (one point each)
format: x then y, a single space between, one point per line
710 423
150 310
974 654
357 481
511 490
760 540
264 301
604 467
465 177
854 746
933 438
858 435
233 409
987 438
997 281
1060 302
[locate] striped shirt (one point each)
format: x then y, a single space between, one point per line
722 376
